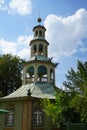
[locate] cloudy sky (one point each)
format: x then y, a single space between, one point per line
66 24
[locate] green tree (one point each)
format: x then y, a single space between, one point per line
71 103
60 110
10 73
76 85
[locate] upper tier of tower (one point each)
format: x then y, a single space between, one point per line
39 31
39 45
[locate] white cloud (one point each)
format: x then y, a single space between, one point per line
7 47
3 6
24 54
20 48
65 33
24 39
24 42
22 7
21 39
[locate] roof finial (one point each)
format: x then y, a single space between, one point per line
39 20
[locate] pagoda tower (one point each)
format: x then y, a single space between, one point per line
40 68
24 104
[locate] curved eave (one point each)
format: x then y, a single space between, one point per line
14 99
18 99
39 58
39 61
39 39
39 26
37 90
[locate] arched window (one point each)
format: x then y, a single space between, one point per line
30 70
45 50
40 33
43 34
42 74
41 49
38 116
30 74
36 33
34 49
9 120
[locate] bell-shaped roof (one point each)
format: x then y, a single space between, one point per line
36 90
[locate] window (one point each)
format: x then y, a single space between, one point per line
40 33
43 34
9 121
38 117
30 74
35 48
36 33
42 74
40 48
52 75
45 50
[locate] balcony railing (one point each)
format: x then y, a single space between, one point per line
43 79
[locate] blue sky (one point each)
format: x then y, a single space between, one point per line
66 24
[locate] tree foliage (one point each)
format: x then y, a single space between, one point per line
76 85
60 110
71 103
10 73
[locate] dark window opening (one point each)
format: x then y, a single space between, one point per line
40 33
38 117
9 120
